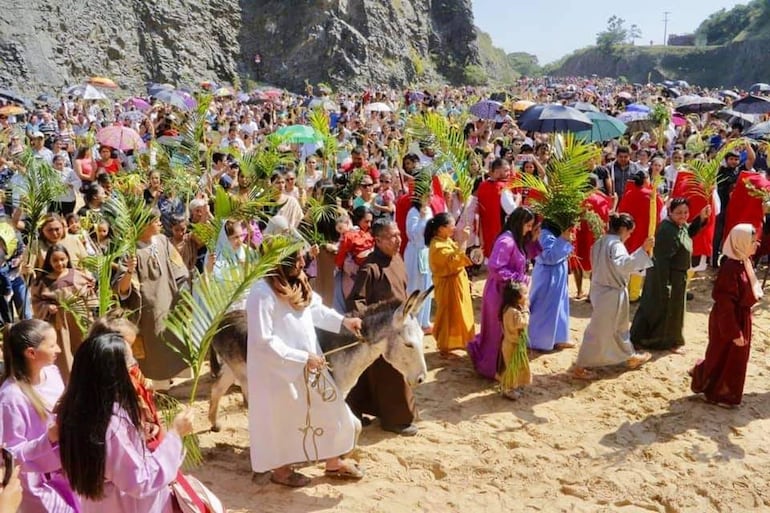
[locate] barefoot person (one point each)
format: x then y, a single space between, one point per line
283 351
721 376
606 339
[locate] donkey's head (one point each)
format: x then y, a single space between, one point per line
405 350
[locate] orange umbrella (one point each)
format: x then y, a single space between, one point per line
102 82
12 110
522 105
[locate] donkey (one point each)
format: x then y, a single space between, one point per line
389 330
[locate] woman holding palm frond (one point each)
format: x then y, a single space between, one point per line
53 230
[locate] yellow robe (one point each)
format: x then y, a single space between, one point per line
453 325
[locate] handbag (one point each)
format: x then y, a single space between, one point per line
192 496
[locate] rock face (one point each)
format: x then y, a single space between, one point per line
353 43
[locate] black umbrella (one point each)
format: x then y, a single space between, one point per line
726 93
758 131
501 97
691 104
9 95
555 118
672 92
752 104
760 87
732 117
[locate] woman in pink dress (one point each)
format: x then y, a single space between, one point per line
31 387
99 415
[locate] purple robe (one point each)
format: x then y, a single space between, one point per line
136 480
25 434
506 263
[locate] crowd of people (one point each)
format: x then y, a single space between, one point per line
394 221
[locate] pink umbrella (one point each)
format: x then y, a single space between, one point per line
120 137
678 120
138 104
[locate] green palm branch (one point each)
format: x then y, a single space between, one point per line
561 200
705 174
129 216
193 134
320 122
316 212
260 164
40 187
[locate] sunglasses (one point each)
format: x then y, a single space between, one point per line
367 185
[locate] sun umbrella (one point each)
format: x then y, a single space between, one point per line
485 109
732 117
501 96
522 105
189 100
672 92
416 96
12 110
378 107
102 82
224 92
76 90
690 104
92 93
625 95
269 93
584 107
45 98
173 98
760 87
631 116
557 118
299 134
752 104
138 103
678 120
132 115
16 98
323 103
758 131
637 107
120 137
681 83
726 93
604 128
242 97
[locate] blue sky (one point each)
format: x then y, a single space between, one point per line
551 29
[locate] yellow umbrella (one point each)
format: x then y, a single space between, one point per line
522 105
102 82
12 110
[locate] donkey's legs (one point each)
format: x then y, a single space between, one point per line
221 385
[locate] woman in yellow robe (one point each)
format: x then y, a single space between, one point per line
453 326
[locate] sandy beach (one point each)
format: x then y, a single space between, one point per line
628 442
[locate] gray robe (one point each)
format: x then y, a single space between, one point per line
606 340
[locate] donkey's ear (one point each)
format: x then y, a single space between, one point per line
421 297
406 308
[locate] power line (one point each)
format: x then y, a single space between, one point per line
665 27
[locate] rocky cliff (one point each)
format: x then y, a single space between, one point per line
736 64
45 45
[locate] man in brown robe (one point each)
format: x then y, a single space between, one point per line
381 390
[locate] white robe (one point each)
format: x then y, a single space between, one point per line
279 341
606 340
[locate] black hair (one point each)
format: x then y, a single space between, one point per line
49 254
639 178
593 180
90 192
99 382
621 220
431 229
515 222
623 149
496 164
359 213
677 202
513 291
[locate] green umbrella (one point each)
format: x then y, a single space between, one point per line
299 134
604 128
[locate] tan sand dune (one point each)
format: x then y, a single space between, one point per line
631 442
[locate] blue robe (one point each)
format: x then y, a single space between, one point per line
416 260
548 297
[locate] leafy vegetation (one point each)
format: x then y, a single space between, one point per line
742 22
617 33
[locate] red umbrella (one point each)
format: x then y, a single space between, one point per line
120 137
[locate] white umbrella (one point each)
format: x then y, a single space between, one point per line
378 107
92 93
323 103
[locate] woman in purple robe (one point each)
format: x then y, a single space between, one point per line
101 441
31 387
512 251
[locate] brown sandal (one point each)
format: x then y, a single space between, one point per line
346 471
293 480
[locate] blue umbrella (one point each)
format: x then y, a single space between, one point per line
555 118
173 98
752 105
486 109
604 128
760 87
638 107
584 107
758 131
726 93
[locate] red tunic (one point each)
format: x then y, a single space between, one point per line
490 212
404 203
686 187
744 207
636 201
601 204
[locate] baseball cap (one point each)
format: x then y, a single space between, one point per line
36 134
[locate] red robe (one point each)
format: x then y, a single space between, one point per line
490 212
744 207
404 204
636 201
601 204
686 187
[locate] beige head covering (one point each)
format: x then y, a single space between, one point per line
739 245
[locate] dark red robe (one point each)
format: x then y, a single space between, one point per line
686 187
404 204
722 374
744 207
601 204
490 212
636 201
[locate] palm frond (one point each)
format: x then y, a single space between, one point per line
193 134
40 187
129 216
261 163
199 312
705 174
168 408
75 305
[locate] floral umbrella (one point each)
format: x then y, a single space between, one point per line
120 137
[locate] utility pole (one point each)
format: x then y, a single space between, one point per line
665 27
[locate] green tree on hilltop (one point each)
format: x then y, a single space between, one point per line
617 33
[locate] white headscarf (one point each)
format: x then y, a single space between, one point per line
739 245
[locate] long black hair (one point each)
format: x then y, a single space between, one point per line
515 224
621 220
431 229
98 383
56 248
17 338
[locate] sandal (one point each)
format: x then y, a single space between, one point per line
637 360
680 350
581 373
293 480
346 471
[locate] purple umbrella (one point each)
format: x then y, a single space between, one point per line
486 109
138 104
638 107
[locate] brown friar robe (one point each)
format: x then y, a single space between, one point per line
381 390
154 291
